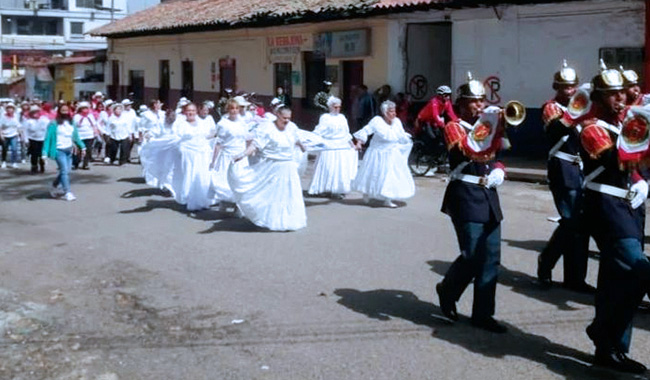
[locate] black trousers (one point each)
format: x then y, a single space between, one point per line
124 147
76 159
35 151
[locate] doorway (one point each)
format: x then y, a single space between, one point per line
428 64
352 79
163 88
315 74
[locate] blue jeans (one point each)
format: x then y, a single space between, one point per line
64 162
623 278
569 239
10 143
480 256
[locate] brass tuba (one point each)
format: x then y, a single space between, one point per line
514 113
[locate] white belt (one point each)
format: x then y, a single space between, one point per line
575 159
611 190
476 180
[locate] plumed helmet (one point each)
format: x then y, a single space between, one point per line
630 77
566 75
607 79
473 89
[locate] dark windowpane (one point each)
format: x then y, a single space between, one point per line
76 28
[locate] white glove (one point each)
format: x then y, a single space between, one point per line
495 178
641 190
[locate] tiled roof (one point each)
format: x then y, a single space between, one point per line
176 15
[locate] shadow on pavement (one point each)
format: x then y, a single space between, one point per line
21 184
537 246
205 215
526 285
234 224
133 180
312 201
385 304
148 192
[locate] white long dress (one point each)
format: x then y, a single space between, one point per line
191 170
384 173
269 192
336 166
231 136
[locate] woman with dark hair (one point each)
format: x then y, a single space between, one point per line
60 139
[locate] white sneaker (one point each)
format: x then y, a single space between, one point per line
55 192
388 203
107 160
14 165
4 165
69 197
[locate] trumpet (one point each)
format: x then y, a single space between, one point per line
580 103
514 113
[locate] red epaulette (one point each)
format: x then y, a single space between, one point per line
454 134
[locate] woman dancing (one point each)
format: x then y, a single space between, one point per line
384 173
269 192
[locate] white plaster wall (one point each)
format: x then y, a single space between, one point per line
526 46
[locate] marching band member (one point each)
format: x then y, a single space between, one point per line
336 167
384 173
614 197
472 202
565 181
632 88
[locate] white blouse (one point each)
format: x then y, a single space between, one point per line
384 133
276 144
85 126
35 129
9 126
64 135
119 128
232 135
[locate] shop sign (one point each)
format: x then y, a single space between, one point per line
287 48
350 43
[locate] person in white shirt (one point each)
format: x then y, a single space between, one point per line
10 135
102 122
384 173
120 130
60 138
152 121
268 192
87 128
336 166
132 117
35 127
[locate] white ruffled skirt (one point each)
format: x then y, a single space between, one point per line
384 173
269 194
191 178
220 187
334 171
157 157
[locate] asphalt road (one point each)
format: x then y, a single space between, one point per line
125 284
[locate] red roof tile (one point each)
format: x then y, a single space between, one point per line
179 14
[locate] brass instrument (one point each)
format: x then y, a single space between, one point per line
514 113
580 103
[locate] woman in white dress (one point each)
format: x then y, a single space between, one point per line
231 135
269 192
384 173
190 182
336 166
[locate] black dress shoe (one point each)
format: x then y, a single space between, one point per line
619 361
544 283
580 287
489 324
447 305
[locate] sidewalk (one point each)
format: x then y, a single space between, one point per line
525 170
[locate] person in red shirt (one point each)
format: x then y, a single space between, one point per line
438 110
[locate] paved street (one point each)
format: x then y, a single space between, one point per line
125 284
